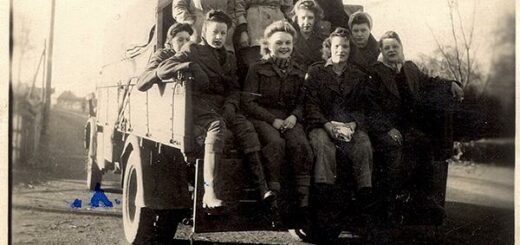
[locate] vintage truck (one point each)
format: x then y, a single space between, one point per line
148 138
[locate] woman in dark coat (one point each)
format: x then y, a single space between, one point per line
307 15
216 102
335 113
273 100
396 126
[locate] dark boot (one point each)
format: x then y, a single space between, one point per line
257 172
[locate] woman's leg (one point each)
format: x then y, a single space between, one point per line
213 148
325 152
273 152
248 141
300 156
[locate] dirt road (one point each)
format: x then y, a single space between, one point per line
480 201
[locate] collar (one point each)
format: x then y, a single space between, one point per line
394 67
329 63
205 43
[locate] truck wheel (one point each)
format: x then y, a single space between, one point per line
94 174
138 221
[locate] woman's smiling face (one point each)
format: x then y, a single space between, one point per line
281 45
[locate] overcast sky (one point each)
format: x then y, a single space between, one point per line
80 26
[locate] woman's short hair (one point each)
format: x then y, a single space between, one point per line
390 35
325 47
277 26
176 28
358 18
307 5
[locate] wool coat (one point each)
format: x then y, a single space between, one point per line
387 111
216 84
333 98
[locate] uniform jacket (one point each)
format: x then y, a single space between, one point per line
386 110
270 94
258 14
219 89
149 76
195 10
327 100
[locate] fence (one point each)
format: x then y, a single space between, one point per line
26 129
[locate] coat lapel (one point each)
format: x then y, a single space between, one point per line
207 56
411 78
389 81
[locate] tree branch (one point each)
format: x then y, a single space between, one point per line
444 54
451 4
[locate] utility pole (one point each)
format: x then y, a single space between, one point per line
48 87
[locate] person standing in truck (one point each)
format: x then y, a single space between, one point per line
253 16
307 15
364 47
178 34
216 104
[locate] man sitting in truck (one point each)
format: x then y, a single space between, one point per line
216 102
178 34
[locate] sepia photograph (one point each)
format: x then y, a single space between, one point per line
260 122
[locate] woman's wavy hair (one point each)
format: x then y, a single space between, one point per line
325 47
308 5
390 35
216 16
277 26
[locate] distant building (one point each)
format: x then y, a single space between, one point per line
67 100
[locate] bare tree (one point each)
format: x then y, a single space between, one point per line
22 41
458 55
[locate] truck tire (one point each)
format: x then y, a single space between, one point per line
138 221
94 174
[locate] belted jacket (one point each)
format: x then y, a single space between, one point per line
216 83
271 93
335 98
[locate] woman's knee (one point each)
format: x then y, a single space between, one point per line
216 135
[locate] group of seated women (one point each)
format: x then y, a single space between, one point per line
301 98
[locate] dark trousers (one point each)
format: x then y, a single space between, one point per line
409 165
290 147
217 132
